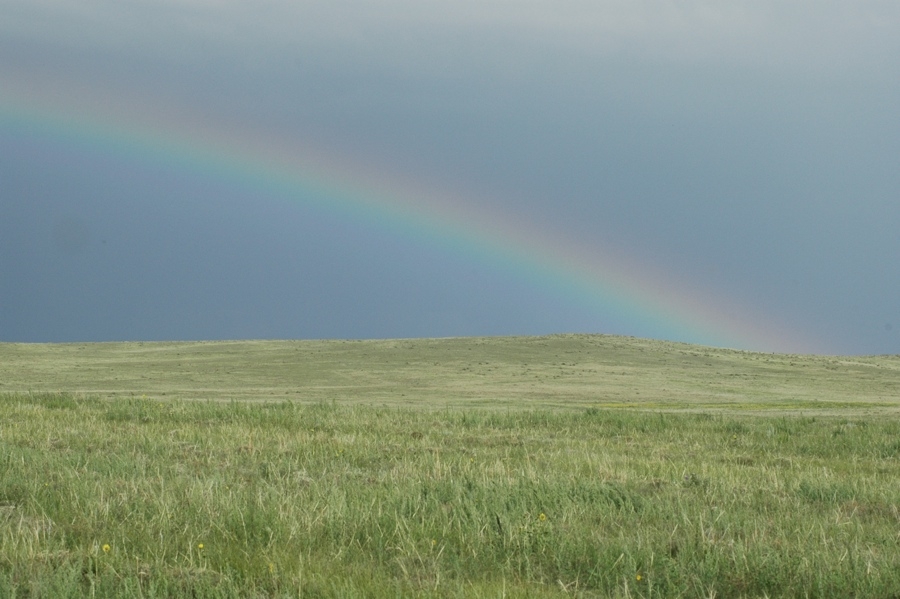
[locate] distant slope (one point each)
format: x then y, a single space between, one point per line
516 372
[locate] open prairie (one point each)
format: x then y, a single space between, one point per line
556 372
587 466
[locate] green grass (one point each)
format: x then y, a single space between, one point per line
563 371
344 489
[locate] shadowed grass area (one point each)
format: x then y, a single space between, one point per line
136 497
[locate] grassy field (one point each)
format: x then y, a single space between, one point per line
558 372
583 466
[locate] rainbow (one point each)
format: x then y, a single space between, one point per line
645 301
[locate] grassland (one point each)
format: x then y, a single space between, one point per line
557 372
542 467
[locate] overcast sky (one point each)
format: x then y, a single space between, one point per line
746 152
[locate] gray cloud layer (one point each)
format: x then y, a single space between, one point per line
750 149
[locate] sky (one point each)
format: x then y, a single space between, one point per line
716 173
